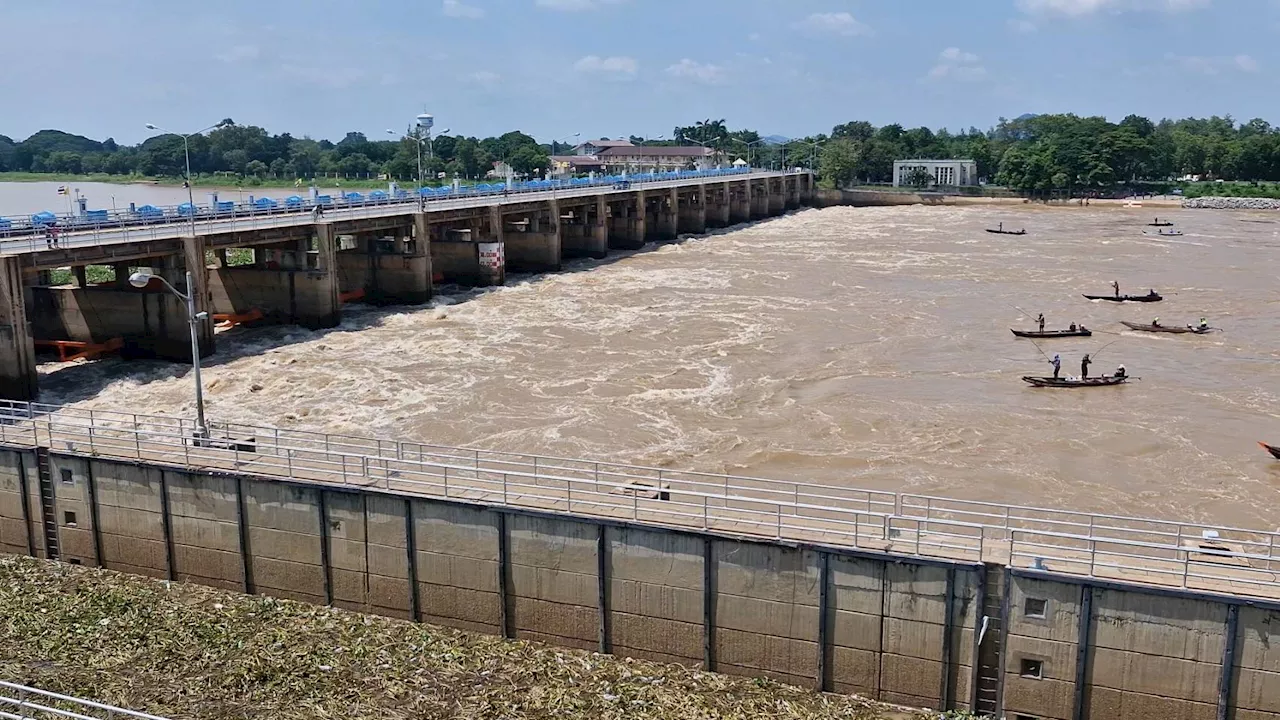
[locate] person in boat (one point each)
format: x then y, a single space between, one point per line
1155 323
1151 293
1203 326
1072 327
1056 362
1121 372
1084 367
1115 285
1040 320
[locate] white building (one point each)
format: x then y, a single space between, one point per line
943 172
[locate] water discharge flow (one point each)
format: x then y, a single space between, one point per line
866 347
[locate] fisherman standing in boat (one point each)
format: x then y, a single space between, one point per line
1040 320
1072 328
1056 362
1155 323
1115 284
1121 372
1204 325
1084 368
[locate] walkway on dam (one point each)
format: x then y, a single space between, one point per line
1151 552
170 223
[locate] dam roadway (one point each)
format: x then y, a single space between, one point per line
304 266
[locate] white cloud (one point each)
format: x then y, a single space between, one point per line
1213 65
240 53
455 9
575 5
484 77
1079 8
956 64
616 65
700 72
833 23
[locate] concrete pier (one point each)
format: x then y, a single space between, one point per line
692 211
584 229
533 243
391 269
628 225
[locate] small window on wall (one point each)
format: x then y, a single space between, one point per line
67 479
1035 607
1033 669
69 518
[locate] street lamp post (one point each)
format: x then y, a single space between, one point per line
748 145
186 151
699 142
140 280
417 139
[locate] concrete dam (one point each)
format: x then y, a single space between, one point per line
306 261
1008 611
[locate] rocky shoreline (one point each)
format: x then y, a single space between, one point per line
1231 203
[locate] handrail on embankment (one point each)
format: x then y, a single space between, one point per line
1113 547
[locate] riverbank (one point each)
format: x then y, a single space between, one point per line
185 651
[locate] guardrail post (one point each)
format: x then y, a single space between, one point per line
779 526
948 629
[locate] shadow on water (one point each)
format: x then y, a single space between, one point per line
83 381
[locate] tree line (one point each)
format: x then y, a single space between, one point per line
250 151
1029 153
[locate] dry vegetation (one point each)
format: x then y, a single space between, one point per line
186 651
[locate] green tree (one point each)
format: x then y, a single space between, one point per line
919 177
840 160
256 168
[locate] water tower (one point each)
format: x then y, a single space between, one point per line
425 122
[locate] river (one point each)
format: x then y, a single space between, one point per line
865 347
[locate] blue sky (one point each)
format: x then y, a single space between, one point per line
616 67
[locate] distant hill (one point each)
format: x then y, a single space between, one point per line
1027 116
47 141
775 139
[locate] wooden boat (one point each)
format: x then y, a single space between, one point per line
1064 382
999 230
1157 223
1275 451
1143 327
1156 297
1081 332
1163 233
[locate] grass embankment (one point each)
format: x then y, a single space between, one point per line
1231 189
186 651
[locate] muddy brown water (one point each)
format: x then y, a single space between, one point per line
863 347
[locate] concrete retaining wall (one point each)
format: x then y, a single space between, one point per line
899 629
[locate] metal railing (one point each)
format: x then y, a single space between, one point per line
1158 552
103 227
19 702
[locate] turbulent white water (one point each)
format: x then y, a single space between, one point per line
867 347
